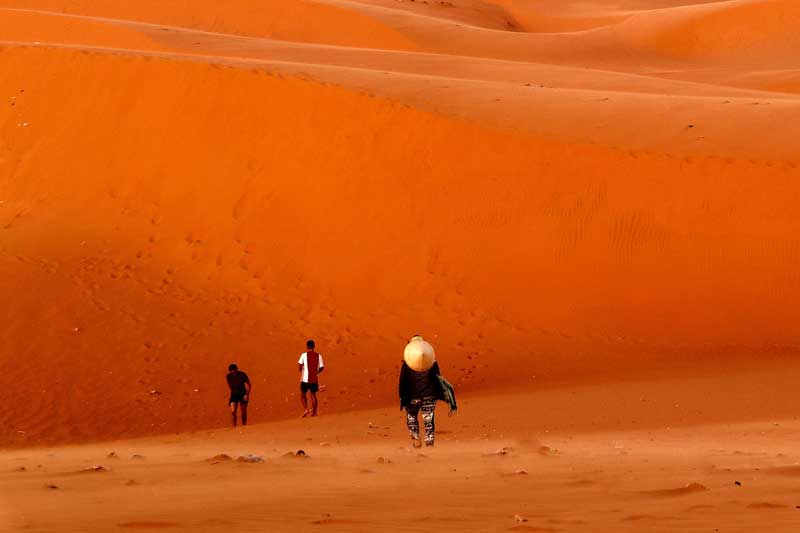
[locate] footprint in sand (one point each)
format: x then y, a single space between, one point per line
299 454
691 488
329 521
219 458
249 458
95 469
637 517
699 507
516 473
545 450
505 450
767 505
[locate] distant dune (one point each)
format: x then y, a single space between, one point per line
582 192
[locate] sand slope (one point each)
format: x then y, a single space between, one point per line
577 194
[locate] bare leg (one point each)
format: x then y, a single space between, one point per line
244 414
234 405
313 403
304 401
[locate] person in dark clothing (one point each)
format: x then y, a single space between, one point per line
240 387
420 389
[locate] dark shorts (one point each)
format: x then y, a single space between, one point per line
237 397
313 387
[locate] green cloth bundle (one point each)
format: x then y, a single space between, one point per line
449 394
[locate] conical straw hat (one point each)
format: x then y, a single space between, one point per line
419 354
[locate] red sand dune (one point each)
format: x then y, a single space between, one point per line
183 184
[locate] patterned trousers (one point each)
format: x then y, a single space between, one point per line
412 411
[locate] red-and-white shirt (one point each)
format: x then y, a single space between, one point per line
312 362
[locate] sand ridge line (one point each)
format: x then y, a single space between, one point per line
333 24
406 14
631 49
244 62
480 69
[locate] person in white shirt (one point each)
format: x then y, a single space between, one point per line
310 366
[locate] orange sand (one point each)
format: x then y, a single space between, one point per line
554 193
589 458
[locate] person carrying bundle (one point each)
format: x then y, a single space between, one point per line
421 386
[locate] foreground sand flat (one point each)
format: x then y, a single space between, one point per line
631 456
588 188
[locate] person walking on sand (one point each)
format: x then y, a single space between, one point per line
240 387
310 366
421 386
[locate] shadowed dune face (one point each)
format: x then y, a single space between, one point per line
481 13
171 204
